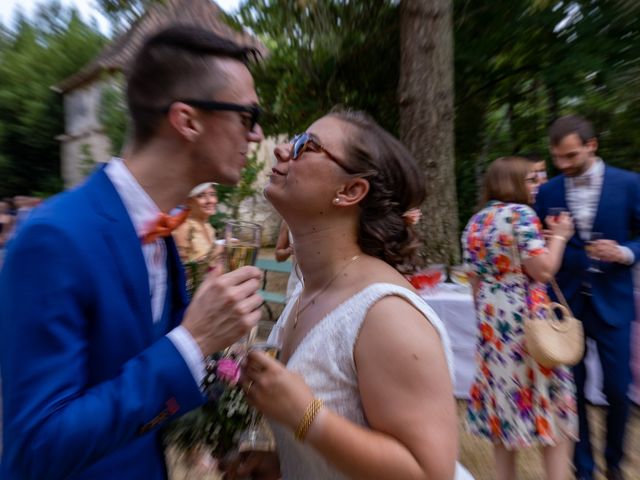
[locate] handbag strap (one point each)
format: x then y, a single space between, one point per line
560 295
554 284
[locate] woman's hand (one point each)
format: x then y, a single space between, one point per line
561 225
255 465
278 393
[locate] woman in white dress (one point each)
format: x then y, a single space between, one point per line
364 389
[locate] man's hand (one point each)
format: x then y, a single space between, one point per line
224 308
607 251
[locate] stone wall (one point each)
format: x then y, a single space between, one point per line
84 143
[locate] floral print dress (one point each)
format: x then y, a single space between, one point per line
514 401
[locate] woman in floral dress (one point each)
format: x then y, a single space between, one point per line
515 402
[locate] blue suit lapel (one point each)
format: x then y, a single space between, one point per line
120 235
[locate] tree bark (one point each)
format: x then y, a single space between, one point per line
426 99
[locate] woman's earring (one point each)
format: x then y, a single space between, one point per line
336 201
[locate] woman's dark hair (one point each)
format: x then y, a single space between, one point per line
505 181
396 185
176 63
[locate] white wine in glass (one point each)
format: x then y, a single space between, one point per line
241 244
258 436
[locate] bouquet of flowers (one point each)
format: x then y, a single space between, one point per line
217 424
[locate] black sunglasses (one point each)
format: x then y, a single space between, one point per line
307 141
249 122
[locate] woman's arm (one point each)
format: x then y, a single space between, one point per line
543 267
406 393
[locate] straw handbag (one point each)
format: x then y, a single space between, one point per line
553 341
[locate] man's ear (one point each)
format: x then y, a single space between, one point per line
352 192
592 145
185 121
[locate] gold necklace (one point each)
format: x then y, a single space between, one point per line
322 290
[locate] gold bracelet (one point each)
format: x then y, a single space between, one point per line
307 419
559 237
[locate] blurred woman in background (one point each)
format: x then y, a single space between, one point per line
515 402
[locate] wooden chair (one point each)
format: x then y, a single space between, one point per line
273 297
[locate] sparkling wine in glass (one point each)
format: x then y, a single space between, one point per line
593 261
241 244
258 436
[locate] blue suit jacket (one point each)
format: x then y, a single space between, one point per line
85 383
618 218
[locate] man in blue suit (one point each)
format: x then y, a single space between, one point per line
597 281
98 346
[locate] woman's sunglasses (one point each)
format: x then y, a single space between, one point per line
307 141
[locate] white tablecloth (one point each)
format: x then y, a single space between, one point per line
454 306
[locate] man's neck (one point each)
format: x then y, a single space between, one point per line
161 172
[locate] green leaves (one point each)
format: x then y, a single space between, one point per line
34 57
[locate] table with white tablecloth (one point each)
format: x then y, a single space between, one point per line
454 306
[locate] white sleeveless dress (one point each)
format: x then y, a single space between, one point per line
325 359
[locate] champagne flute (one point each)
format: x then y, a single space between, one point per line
258 436
241 244
593 263
241 247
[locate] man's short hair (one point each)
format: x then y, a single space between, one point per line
176 63
568 125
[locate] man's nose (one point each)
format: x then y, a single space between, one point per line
256 135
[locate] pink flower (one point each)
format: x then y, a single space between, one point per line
412 216
228 370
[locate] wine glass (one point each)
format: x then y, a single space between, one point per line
241 244
460 275
555 212
593 263
258 436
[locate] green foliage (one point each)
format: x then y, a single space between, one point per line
325 53
518 65
34 56
232 196
87 162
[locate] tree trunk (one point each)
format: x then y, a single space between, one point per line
426 94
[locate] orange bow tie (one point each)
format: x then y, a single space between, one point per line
164 225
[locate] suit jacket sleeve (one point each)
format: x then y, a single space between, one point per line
56 420
634 243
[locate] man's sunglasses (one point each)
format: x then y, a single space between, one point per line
307 141
249 121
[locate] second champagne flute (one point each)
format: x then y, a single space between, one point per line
593 261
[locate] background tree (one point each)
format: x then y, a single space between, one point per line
426 117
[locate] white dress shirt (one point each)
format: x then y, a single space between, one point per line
143 213
583 196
